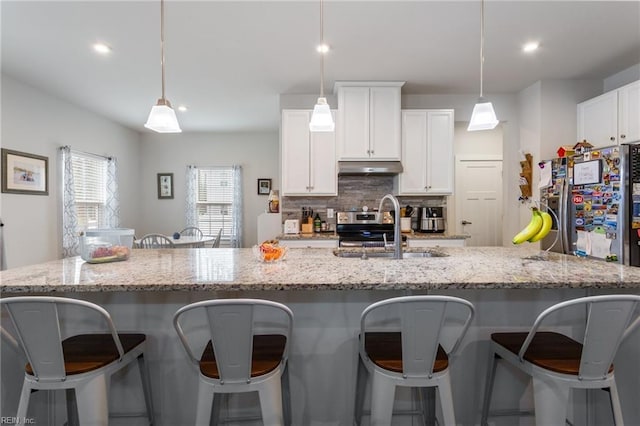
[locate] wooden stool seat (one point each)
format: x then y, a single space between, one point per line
385 350
268 350
552 351
88 352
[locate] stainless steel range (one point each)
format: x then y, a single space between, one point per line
364 229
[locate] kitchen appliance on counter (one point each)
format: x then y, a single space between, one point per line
596 196
292 226
364 229
431 219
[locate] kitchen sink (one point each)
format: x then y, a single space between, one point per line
387 254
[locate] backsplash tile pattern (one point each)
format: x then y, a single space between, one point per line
354 192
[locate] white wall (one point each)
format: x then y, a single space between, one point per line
621 78
36 123
257 153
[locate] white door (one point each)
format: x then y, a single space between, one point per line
479 201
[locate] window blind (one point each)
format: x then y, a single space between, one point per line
214 203
89 184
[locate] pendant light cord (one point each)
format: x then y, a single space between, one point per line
481 45
322 53
162 44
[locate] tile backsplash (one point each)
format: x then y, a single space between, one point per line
354 192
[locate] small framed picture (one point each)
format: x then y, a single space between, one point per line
264 186
24 173
165 186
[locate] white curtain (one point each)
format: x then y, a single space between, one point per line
70 240
191 216
112 205
236 228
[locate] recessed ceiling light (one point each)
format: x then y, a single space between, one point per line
530 47
182 108
102 48
323 48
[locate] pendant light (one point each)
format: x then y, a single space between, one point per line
162 118
483 116
321 119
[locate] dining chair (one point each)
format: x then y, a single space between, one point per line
558 363
192 231
155 241
402 344
81 364
216 242
246 349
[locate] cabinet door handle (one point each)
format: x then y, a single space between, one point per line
613 138
466 222
623 136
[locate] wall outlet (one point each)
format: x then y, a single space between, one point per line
329 213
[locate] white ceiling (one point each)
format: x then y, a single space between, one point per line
229 61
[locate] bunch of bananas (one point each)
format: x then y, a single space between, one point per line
537 229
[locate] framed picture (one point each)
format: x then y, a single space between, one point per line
24 173
165 186
264 186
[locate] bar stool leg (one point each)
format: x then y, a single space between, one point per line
217 407
271 402
92 402
286 395
205 402
146 387
72 407
25 394
383 393
488 388
550 401
615 404
361 389
446 400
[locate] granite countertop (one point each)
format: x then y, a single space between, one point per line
319 269
331 235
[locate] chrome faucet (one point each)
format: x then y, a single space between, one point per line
397 239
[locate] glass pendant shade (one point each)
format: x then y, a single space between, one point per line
483 116
162 118
321 119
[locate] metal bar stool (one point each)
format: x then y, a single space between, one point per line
558 363
82 364
404 347
247 350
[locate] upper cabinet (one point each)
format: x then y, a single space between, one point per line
611 118
308 158
369 117
427 152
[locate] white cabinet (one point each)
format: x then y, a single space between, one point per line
424 243
611 118
369 121
308 158
629 112
427 152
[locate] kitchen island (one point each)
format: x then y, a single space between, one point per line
327 293
320 269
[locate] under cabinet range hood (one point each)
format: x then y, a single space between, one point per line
369 168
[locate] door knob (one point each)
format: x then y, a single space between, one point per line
466 222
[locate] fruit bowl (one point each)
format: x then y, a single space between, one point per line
95 250
270 253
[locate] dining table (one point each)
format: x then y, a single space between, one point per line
186 241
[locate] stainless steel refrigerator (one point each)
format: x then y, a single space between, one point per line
596 197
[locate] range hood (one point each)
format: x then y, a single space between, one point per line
369 168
